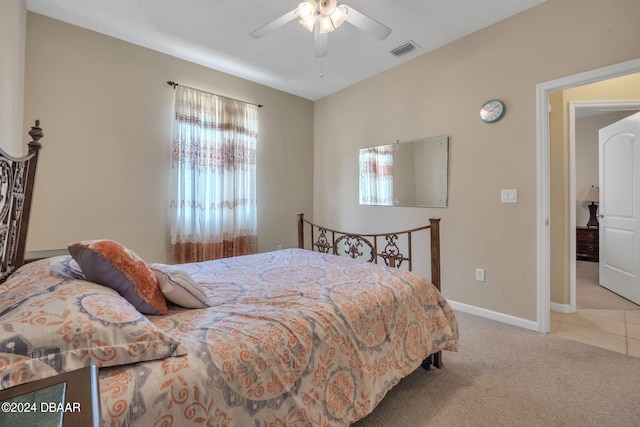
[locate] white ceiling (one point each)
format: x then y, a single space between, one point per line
215 33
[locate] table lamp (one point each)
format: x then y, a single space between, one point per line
591 194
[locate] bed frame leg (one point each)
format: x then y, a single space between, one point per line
426 363
433 359
437 360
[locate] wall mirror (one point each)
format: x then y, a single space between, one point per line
411 173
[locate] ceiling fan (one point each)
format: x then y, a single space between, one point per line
322 17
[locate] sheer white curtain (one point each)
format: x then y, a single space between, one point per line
376 180
213 177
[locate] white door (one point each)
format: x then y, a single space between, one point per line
619 210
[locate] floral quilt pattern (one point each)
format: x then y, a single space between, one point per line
292 338
52 322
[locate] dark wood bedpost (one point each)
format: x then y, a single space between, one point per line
435 251
435 273
300 230
34 148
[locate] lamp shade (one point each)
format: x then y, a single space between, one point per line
591 194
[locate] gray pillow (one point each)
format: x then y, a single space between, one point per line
179 287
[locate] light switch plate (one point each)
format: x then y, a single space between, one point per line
509 196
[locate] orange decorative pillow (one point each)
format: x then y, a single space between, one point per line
110 264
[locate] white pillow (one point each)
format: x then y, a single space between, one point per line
178 287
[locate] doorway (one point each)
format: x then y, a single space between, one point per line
595 315
582 110
543 174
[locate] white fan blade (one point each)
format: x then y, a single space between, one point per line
366 24
319 42
277 23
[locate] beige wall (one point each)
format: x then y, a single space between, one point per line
13 19
440 93
621 88
106 111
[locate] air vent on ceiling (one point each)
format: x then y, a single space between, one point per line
409 46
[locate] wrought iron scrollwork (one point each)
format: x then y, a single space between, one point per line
20 178
6 186
397 253
322 243
17 176
4 230
391 252
353 246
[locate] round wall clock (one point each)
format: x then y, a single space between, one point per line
492 111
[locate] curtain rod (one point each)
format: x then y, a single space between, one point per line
174 84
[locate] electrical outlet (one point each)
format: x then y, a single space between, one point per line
480 274
279 247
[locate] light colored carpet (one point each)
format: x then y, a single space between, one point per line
589 293
508 376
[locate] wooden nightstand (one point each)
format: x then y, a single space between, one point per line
587 244
31 256
66 400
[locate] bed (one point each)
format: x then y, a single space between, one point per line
295 337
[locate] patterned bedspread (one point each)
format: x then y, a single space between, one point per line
292 338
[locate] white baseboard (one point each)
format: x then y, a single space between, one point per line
494 315
561 308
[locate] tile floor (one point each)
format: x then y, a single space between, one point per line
616 330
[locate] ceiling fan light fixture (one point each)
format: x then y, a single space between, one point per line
307 10
324 16
326 13
326 26
339 16
328 23
308 23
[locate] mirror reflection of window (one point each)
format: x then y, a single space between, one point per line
412 173
376 175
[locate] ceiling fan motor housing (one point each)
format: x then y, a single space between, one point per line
327 7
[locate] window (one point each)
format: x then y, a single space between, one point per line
213 177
